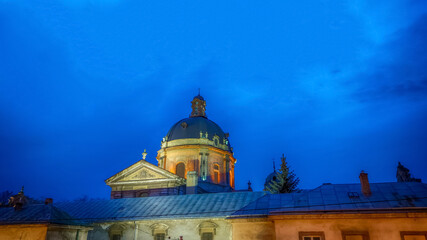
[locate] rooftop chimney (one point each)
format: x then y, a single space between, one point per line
18 206
192 182
364 183
48 201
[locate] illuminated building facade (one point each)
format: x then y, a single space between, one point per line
195 157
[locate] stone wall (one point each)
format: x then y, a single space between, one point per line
388 226
260 229
23 231
189 229
190 156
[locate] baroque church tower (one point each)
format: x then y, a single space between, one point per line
195 157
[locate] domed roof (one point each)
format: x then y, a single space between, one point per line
199 97
191 128
271 177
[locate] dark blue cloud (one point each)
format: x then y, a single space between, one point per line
399 69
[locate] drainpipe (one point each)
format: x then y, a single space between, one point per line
135 235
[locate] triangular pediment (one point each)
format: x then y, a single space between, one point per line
143 174
140 172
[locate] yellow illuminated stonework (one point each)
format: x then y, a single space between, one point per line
200 158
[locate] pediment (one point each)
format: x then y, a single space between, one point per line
140 172
143 174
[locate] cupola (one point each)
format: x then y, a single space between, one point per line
198 106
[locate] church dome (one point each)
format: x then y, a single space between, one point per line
196 127
198 144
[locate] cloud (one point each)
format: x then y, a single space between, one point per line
398 70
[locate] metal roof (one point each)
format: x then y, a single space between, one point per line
36 214
163 207
326 198
340 197
193 127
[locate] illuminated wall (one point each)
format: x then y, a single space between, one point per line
213 164
390 226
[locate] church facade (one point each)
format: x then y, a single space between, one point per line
195 157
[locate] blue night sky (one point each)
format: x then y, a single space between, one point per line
87 85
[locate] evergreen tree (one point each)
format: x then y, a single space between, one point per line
285 182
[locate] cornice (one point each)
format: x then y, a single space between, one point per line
145 181
198 147
195 141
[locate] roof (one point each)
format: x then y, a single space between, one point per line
165 207
199 97
208 187
193 127
36 213
340 197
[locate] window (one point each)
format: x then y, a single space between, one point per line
180 170
207 236
355 235
216 174
159 231
207 230
159 236
311 236
115 231
413 235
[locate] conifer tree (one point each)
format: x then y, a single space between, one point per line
285 182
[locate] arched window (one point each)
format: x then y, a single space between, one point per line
207 230
180 170
159 231
216 174
115 231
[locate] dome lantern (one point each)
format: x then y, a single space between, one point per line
198 106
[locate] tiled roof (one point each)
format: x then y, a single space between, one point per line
36 213
164 207
340 197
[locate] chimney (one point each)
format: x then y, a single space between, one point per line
48 201
192 182
364 183
18 206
